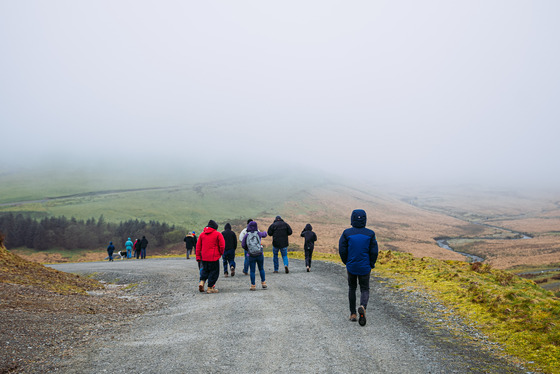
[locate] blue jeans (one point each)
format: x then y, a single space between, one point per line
143 253
229 256
364 290
258 260
246 263
128 252
283 252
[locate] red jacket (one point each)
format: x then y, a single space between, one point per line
210 245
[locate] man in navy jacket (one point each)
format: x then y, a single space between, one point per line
358 251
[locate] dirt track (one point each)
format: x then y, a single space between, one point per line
299 324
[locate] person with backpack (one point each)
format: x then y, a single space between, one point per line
143 246
309 244
229 253
252 244
110 250
128 245
245 261
190 243
280 230
209 249
358 250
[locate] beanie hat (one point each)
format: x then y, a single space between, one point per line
212 224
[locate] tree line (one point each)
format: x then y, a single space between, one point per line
70 233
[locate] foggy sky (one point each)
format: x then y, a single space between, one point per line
462 90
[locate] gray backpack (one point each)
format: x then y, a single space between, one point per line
254 246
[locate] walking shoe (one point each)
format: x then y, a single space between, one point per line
201 286
362 313
245 273
264 285
286 268
226 274
353 317
308 269
212 290
253 288
275 271
232 271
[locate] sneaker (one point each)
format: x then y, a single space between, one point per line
353 317
362 313
287 270
232 271
212 290
253 288
201 286
264 285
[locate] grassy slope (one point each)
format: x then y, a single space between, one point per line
15 270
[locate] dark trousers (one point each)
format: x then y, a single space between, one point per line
210 270
142 253
308 255
228 257
353 281
189 252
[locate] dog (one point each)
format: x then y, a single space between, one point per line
120 253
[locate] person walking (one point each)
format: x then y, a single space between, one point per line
128 245
143 246
209 249
136 248
358 250
280 230
245 258
110 250
190 243
308 244
230 246
252 244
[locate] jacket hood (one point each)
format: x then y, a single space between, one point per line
212 224
278 218
227 226
358 219
208 230
252 226
308 227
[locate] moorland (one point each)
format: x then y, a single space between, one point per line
508 228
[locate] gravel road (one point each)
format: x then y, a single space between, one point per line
298 325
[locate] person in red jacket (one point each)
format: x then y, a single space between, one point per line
209 249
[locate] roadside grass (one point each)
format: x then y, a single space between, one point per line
16 270
510 310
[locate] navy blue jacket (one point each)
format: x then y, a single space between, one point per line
357 246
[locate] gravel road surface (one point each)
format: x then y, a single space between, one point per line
298 325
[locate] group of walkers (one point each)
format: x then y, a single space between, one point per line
357 247
358 250
139 247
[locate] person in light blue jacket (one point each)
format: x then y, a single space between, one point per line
358 250
128 245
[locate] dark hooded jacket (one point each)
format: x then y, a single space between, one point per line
357 246
229 237
309 236
143 243
279 230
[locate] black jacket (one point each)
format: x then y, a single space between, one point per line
143 242
190 241
310 237
229 237
279 230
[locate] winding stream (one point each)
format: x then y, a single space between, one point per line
474 258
